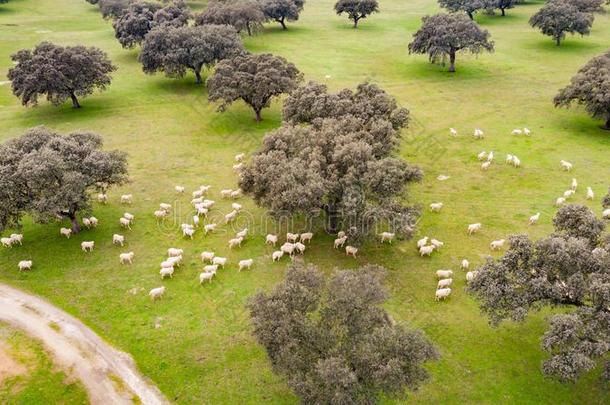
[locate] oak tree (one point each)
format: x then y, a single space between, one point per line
174 50
253 78
61 73
48 176
444 35
569 269
333 341
590 87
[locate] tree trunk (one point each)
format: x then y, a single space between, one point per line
452 61
470 15
75 224
249 29
258 114
558 41
503 12
75 103
332 219
198 75
356 22
281 21
607 126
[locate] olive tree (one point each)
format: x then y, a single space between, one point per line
356 10
48 176
253 78
590 87
444 35
174 50
568 269
243 15
470 7
341 167
332 340
282 10
557 18
503 5
61 73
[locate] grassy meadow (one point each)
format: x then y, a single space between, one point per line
203 351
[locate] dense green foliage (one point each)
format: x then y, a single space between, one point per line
334 342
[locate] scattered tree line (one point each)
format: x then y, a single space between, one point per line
333 341
49 176
569 269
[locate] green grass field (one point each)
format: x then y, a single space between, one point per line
204 352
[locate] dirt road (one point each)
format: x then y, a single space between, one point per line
109 376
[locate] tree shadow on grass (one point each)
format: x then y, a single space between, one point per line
497 19
582 125
569 44
465 70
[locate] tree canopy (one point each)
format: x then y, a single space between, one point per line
61 73
140 17
444 35
113 8
47 175
559 17
570 268
340 166
282 10
174 50
253 78
356 10
586 6
470 7
243 15
333 341
590 87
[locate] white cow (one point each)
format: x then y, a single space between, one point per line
209 228
471 275
534 218
465 265
220 261
65 232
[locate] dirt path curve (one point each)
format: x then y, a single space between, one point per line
79 350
